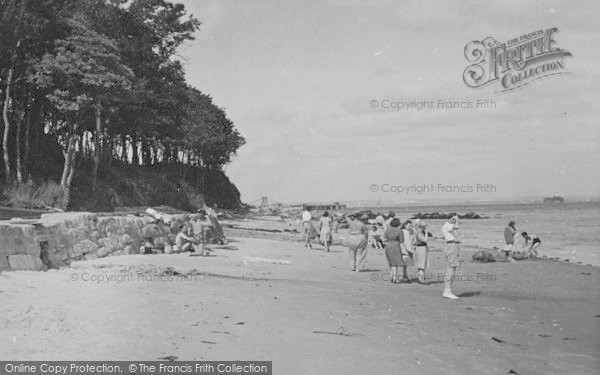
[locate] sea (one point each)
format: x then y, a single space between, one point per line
569 231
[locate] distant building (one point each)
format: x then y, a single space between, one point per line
322 207
554 199
264 201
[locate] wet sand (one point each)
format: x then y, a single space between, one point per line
264 299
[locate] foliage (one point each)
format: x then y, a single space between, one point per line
102 78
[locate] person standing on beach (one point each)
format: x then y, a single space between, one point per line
336 222
325 230
307 226
357 243
509 238
421 251
394 237
407 249
450 232
389 219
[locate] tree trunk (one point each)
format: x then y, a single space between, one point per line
97 147
68 170
19 166
109 153
135 157
145 153
24 115
30 109
7 168
124 149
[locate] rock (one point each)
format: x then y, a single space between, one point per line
112 243
112 229
148 220
102 252
90 256
81 248
4 262
72 236
160 242
483 256
94 235
25 262
126 240
150 231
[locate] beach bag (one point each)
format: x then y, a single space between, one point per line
483 256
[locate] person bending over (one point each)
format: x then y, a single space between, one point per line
532 242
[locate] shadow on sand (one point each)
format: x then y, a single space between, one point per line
469 294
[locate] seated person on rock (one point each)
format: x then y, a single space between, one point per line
202 226
188 240
184 240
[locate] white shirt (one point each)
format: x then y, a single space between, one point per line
448 231
306 216
408 240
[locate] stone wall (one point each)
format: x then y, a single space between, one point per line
57 239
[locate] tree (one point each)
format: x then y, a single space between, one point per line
27 28
208 131
83 71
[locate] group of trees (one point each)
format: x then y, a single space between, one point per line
102 77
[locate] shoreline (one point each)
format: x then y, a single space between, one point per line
254 227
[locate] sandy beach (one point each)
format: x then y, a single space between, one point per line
268 299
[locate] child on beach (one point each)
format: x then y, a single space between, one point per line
375 236
532 242
336 223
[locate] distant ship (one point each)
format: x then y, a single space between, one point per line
554 199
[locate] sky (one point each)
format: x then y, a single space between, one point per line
300 80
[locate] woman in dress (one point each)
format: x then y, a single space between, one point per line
394 238
325 230
421 251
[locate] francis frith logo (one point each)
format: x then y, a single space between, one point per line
515 63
